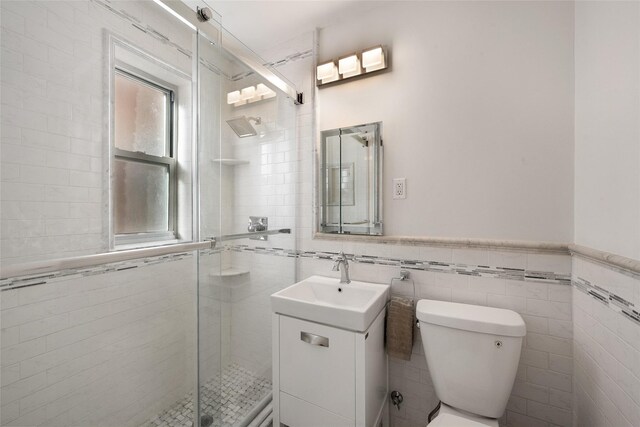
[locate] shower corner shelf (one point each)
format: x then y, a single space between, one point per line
231 162
228 272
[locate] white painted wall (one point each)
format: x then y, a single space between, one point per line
607 126
477 114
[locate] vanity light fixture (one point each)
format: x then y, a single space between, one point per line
356 64
250 94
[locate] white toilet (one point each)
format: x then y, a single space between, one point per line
473 354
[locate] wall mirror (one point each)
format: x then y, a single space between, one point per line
350 180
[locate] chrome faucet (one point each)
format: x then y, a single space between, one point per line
344 272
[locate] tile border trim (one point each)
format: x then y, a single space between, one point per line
506 273
611 300
452 242
55 276
619 263
416 264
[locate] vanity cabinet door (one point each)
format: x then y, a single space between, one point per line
317 364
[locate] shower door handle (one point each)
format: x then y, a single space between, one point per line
314 339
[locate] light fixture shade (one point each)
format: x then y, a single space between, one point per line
270 94
247 93
373 59
349 66
262 89
327 72
233 97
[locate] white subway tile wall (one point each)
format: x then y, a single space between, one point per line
105 349
607 350
53 131
250 334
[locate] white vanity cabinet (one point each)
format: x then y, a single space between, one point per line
327 376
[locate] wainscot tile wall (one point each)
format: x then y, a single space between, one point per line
606 341
113 345
543 384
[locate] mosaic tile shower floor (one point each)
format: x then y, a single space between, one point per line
240 391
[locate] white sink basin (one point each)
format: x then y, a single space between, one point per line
318 299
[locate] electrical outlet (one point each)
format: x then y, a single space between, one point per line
400 188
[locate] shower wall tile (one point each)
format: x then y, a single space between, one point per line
110 348
53 133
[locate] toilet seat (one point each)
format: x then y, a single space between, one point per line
450 417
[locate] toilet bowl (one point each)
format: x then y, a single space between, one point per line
472 353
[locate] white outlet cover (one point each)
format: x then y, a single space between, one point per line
400 188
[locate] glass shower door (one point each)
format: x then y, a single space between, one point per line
247 162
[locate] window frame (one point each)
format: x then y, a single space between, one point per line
169 161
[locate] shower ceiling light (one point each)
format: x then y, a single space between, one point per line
370 60
349 66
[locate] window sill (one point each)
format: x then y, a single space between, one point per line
142 245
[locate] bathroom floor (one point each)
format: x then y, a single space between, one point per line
227 398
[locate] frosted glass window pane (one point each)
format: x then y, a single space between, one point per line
141 193
140 116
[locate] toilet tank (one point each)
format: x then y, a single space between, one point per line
472 353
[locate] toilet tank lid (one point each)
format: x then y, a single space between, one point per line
475 318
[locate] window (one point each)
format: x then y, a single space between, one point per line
144 163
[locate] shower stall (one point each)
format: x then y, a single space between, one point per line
159 159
